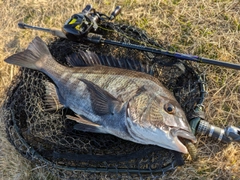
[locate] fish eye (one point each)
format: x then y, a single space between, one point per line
169 108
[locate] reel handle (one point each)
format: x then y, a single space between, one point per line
115 13
87 9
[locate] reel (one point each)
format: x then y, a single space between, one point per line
81 24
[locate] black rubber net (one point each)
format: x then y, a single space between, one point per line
48 138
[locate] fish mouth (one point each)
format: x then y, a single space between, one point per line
180 136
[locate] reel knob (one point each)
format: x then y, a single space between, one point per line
115 13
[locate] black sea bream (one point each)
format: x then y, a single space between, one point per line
131 105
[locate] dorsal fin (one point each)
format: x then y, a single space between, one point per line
90 59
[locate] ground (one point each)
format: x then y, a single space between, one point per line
206 28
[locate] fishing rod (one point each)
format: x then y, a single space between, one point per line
83 25
98 39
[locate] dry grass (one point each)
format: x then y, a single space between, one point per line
206 28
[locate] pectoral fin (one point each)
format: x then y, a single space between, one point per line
85 125
102 101
51 100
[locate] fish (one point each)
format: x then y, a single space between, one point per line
128 104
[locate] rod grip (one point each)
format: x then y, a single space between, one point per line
212 131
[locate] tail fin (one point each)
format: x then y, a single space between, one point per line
37 51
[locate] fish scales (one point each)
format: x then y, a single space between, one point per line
128 104
120 86
119 82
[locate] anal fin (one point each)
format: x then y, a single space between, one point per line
85 125
51 100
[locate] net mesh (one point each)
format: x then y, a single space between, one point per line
49 140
